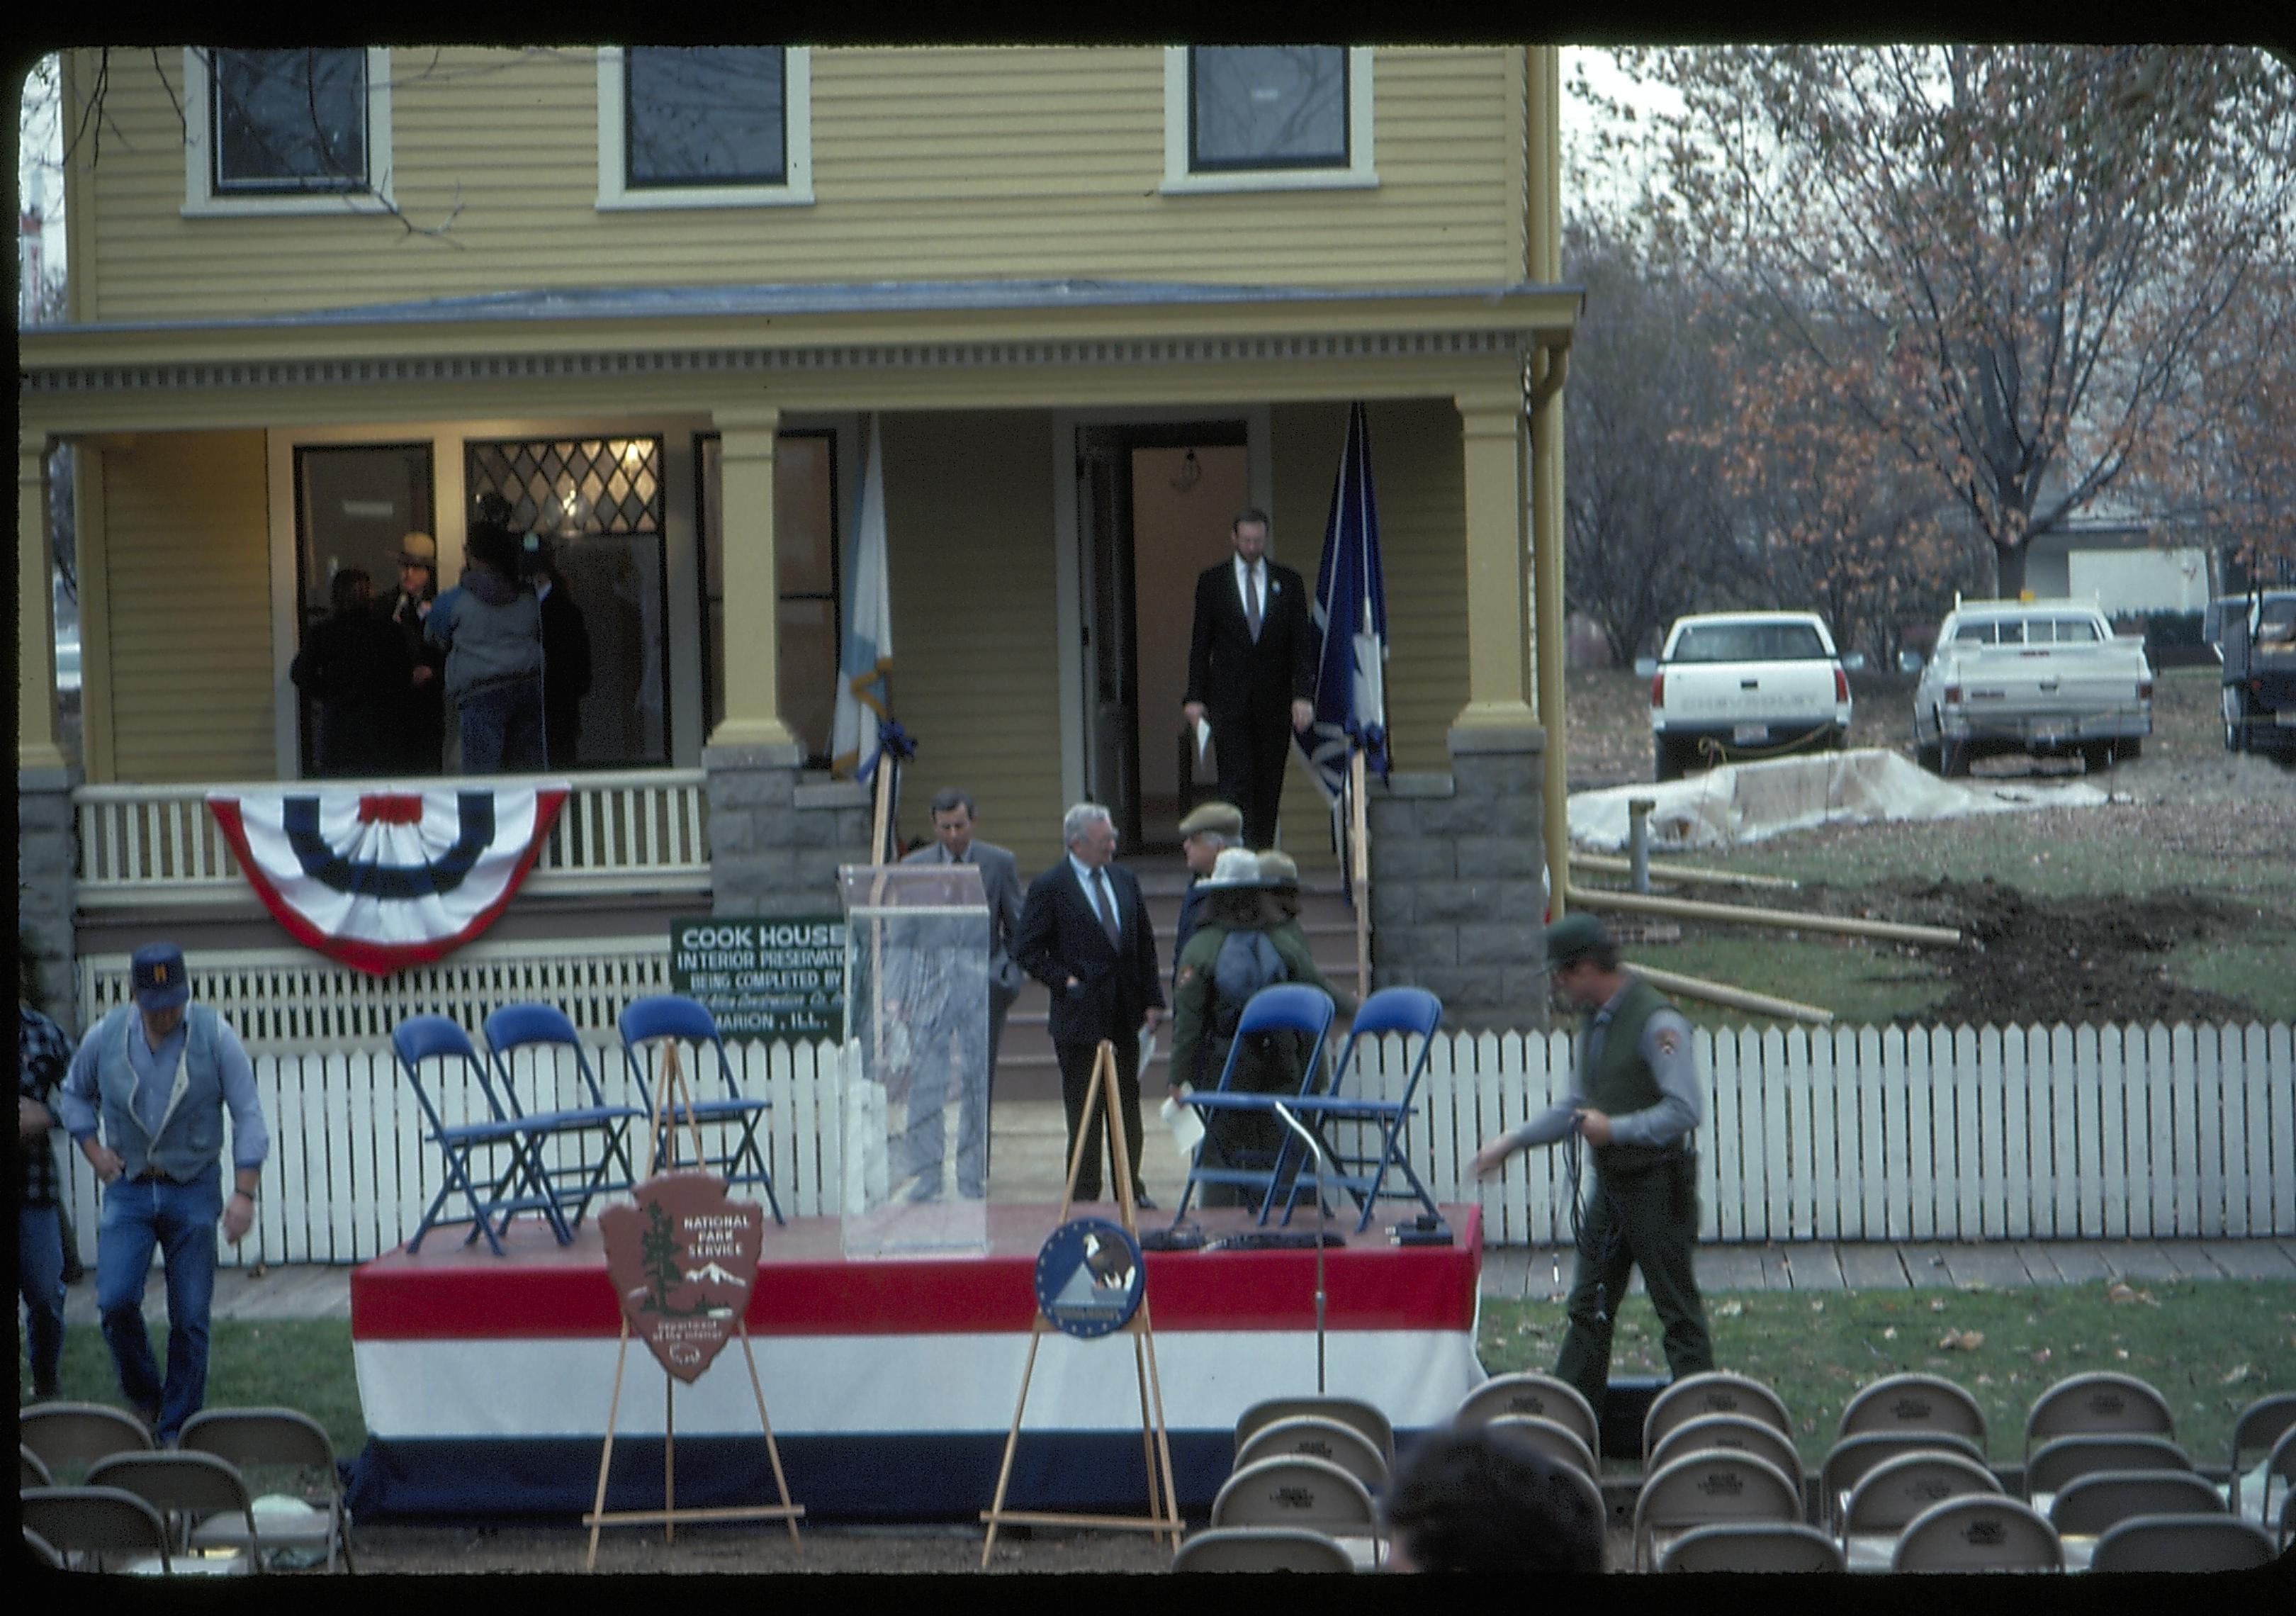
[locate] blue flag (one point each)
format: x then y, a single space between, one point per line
1350 613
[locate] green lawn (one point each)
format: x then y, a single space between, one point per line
2211 1347
296 1363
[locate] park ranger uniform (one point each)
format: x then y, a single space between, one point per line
1636 1067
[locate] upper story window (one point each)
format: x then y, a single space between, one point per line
286 131
1267 116
704 127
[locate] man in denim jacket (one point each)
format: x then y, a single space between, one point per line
156 1077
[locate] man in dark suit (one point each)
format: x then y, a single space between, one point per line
1085 935
565 662
1000 879
1251 671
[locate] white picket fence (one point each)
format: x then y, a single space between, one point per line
1947 1134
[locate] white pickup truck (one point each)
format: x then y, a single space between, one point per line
1731 686
2042 676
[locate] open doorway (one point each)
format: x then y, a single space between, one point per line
1154 501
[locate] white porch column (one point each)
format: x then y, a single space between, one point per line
37 729
746 434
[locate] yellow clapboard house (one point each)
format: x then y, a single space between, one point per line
1090 300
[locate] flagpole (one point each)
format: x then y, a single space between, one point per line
1359 864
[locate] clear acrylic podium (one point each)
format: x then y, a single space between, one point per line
916 1112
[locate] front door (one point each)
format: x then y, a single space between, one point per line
1153 505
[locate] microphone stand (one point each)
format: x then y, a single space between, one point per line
1323 1224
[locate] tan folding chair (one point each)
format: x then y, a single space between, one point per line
2098 1403
1895 1492
1706 1488
1297 1491
93 1527
188 1488
1262 1548
1903 1403
1542 1395
2182 1543
31 1470
1851 1459
1714 1391
70 1437
1979 1532
2089 1506
2260 1425
2056 1463
260 1443
1365 1417
42 1551
1753 1545
1757 1437
1316 1439
1561 1445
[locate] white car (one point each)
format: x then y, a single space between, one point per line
1736 687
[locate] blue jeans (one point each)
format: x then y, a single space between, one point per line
40 1282
180 1219
502 728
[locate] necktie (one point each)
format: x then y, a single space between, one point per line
1251 602
1107 901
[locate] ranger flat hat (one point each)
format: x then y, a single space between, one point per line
1571 939
1238 869
1278 869
419 549
1220 819
157 972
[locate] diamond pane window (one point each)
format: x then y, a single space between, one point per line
289 121
711 115
1268 106
573 486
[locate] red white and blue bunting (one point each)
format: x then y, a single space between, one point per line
385 879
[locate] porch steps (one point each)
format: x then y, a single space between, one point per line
1026 1067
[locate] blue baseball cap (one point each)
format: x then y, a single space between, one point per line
157 972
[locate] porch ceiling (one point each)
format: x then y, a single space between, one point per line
954 345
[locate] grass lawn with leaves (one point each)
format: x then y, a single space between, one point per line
2210 1347
291 1363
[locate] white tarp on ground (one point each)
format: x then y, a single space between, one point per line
1750 801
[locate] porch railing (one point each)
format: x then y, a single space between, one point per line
633 831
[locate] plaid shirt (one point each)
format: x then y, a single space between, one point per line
42 1052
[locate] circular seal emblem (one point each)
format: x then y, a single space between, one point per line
1089 1276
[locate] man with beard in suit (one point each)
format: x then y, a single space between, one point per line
1252 671
1085 934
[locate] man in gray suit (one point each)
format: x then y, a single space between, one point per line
1000 879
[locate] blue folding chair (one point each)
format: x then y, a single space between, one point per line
1370 1143
672 1016
1286 1007
545 1029
519 1186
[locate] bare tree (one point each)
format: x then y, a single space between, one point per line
2021 255
1647 532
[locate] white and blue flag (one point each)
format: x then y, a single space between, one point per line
1350 613
864 723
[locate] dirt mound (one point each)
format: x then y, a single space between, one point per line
2093 959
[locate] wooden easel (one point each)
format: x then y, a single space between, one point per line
1164 1509
672 1095
1359 868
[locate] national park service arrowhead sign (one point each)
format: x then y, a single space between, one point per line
684 1259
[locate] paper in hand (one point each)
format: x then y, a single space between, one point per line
1203 738
1187 1126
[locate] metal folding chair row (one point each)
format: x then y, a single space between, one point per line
517 1140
